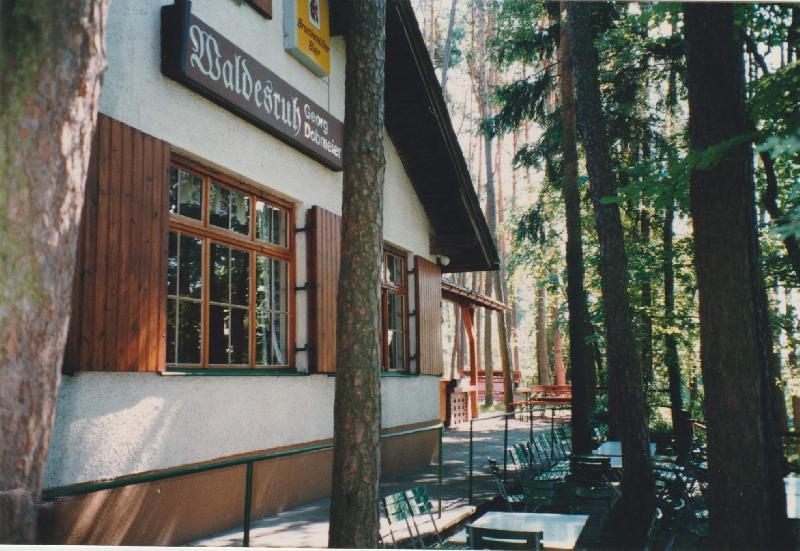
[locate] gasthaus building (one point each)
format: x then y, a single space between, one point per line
203 326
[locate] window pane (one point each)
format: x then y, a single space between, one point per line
188 332
271 224
279 286
185 193
239 335
263 335
219 206
395 310
190 264
171 312
220 273
394 269
229 209
240 277
172 264
393 344
279 337
240 213
399 350
218 335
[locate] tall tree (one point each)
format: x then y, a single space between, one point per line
493 279
52 55
747 501
544 376
354 518
448 46
624 370
671 358
558 351
582 372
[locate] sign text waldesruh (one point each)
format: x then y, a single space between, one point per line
200 58
307 35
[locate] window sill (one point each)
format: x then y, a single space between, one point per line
398 374
233 373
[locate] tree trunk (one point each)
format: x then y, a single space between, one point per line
647 304
582 371
448 46
488 359
354 517
51 59
624 368
671 359
747 501
558 352
542 361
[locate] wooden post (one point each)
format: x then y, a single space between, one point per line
468 315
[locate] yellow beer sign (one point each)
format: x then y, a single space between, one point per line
307 34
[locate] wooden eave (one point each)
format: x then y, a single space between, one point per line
419 124
467 297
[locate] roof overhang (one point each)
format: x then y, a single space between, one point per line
467 297
419 125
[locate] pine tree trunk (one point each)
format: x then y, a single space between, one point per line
647 304
582 371
354 518
671 344
624 368
747 502
488 359
542 361
558 351
51 60
448 46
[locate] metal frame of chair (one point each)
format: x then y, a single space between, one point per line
420 503
497 475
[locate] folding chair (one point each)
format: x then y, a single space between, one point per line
497 474
420 503
397 510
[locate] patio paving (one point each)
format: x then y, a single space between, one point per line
307 525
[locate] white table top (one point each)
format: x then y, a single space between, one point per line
558 531
614 448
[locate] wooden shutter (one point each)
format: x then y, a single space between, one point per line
428 295
118 318
324 244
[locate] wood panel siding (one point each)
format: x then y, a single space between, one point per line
118 318
324 246
428 294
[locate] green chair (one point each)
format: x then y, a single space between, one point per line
420 504
550 495
509 499
398 511
490 538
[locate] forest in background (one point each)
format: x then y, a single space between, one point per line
643 72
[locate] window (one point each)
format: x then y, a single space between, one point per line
230 269
394 305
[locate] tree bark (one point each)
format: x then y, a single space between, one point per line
488 359
52 55
747 502
448 46
542 361
582 371
647 304
558 351
624 368
671 359
354 517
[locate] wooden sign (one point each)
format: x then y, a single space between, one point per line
200 58
307 35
